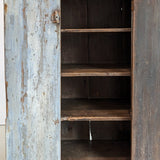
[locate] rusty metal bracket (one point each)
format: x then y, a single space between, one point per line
55 17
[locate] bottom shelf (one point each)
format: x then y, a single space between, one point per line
95 150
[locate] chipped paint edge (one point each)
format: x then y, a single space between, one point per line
2 68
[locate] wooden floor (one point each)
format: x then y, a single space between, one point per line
95 150
94 110
94 70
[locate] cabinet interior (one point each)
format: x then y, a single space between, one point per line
96 79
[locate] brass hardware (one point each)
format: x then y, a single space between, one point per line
56 17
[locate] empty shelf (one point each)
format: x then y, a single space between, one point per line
95 150
93 70
97 30
94 110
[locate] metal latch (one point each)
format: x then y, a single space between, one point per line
55 18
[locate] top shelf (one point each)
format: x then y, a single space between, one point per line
89 30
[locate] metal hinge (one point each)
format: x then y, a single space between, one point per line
132 5
55 17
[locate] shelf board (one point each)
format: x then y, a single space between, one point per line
97 30
95 150
94 110
93 70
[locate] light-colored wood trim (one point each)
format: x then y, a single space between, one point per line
94 110
97 30
87 70
2 68
2 142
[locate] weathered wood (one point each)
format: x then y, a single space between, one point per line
96 87
98 30
2 68
112 130
95 150
2 142
146 80
32 45
94 110
93 70
74 130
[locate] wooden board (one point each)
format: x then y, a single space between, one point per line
109 48
146 80
32 45
111 130
97 30
109 13
96 87
94 110
2 142
95 150
74 130
93 70
2 68
95 14
81 130
74 48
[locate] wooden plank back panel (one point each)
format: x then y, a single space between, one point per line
146 80
96 87
116 131
32 45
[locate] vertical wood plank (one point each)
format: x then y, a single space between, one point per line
2 142
146 80
32 46
2 70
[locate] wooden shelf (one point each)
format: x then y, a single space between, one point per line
95 150
94 110
97 30
93 70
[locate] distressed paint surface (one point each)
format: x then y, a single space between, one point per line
2 71
32 50
146 80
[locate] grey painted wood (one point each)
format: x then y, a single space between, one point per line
32 49
146 80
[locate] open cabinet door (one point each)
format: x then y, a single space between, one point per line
32 50
146 80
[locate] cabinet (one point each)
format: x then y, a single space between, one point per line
96 79
82 79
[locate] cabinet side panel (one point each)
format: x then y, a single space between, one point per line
146 80
32 50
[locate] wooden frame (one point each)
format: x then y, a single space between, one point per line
2 69
32 52
2 85
146 81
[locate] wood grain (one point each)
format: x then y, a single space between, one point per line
112 130
96 30
32 49
93 70
146 80
95 150
2 144
2 68
94 110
